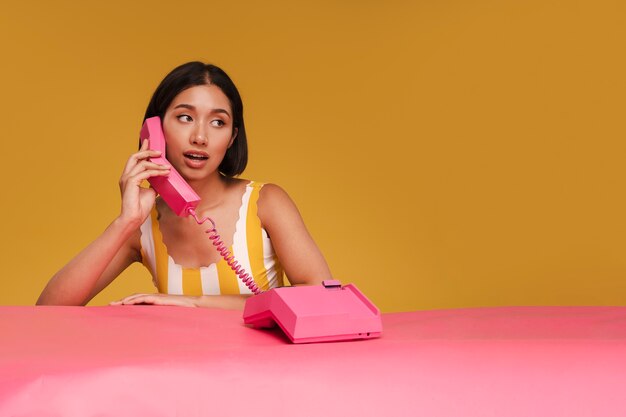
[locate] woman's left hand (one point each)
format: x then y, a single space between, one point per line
157 299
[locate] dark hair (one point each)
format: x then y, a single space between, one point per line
197 73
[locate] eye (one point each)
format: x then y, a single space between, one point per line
184 118
217 123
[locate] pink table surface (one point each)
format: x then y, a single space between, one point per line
169 361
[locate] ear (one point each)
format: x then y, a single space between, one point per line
235 131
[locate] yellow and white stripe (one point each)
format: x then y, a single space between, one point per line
251 247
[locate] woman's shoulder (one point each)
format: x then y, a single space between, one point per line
272 194
267 191
274 204
272 198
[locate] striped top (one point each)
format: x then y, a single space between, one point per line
251 247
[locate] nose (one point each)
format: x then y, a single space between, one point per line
199 137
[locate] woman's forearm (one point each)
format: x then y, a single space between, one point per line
229 302
74 283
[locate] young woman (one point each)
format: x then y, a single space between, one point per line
202 119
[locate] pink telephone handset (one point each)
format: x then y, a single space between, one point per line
317 313
173 189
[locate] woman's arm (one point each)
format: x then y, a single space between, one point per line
93 268
106 257
228 301
302 260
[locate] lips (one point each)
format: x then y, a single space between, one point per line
196 155
196 159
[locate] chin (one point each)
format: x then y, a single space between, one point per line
195 175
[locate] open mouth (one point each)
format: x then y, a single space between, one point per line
196 156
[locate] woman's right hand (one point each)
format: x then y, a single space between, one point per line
136 200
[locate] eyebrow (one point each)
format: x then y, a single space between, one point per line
190 107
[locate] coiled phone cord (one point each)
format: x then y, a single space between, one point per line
226 254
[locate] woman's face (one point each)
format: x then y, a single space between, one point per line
198 128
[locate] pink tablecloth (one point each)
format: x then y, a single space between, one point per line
168 361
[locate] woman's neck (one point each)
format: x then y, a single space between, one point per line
212 190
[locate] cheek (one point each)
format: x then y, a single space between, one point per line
172 135
221 139
167 131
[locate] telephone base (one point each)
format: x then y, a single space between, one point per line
318 313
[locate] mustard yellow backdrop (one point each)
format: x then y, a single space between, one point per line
442 153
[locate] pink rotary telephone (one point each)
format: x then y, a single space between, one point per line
316 313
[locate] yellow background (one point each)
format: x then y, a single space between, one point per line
442 153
